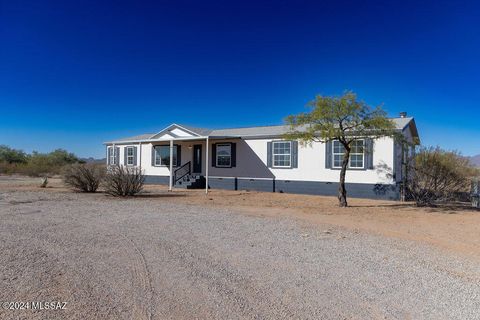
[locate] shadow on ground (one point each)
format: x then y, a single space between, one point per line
160 195
448 208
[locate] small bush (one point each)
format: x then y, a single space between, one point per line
122 181
44 182
84 177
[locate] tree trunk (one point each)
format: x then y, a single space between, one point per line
342 191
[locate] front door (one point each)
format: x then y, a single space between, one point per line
197 158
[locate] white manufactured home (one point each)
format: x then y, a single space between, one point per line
258 158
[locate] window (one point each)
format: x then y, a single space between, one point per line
162 156
356 154
130 156
111 152
224 155
282 154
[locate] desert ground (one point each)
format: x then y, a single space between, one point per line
233 255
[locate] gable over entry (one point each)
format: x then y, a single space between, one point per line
176 133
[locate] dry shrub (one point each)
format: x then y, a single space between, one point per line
84 177
44 182
7 168
438 175
122 181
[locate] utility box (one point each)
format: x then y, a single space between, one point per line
475 193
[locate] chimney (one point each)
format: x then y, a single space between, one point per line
403 114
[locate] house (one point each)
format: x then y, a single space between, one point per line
257 158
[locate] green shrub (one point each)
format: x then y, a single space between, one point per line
36 164
12 156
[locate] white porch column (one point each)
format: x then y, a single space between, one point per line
206 168
140 155
170 182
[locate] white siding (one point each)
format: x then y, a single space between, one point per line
252 163
181 133
187 155
166 136
122 152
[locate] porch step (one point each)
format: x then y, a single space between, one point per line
191 182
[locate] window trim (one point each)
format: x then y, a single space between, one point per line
132 156
336 153
175 146
281 154
349 160
112 157
229 144
363 156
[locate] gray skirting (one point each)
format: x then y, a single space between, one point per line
354 190
157 180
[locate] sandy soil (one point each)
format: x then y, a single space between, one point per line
230 255
453 228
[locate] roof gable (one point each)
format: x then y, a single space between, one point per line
175 131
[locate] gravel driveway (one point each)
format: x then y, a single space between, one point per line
149 258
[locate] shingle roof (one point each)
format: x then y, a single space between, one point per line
252 131
200 131
134 138
276 130
400 124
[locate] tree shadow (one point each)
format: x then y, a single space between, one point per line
393 206
451 208
445 208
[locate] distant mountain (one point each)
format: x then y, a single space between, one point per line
93 160
475 160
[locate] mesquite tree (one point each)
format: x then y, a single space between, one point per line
345 119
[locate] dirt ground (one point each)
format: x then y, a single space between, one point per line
452 228
232 255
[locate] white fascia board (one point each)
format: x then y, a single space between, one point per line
155 140
224 137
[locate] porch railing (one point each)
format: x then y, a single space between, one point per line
182 171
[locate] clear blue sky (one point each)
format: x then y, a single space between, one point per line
76 73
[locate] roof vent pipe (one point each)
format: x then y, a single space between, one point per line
403 114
